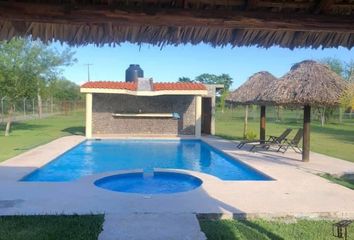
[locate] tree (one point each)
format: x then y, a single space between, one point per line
26 67
207 78
223 79
16 79
184 79
226 80
347 99
64 90
335 65
346 71
343 69
46 63
223 97
349 71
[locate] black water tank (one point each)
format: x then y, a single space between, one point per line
133 72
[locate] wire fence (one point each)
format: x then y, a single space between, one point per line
26 108
283 114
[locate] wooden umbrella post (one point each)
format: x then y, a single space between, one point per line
262 131
245 124
306 135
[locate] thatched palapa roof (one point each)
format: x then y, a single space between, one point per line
264 23
307 83
250 90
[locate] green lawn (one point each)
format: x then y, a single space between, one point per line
343 180
269 230
83 227
333 139
29 134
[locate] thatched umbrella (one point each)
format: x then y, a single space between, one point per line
247 94
307 84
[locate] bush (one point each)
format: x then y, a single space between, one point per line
251 135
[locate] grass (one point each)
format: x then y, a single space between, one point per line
269 230
29 134
333 139
75 227
344 181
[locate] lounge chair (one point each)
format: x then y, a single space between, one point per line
293 143
270 139
273 141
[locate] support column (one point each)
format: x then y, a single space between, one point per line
262 127
198 116
306 135
212 124
88 115
245 123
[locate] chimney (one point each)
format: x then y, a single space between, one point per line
144 84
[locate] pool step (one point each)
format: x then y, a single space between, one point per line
152 226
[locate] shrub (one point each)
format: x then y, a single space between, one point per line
251 135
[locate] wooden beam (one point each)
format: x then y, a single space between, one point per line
251 4
322 6
262 127
306 135
97 14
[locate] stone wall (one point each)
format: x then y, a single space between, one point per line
105 104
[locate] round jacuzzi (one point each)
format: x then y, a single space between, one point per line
156 183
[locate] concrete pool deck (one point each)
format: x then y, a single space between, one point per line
295 192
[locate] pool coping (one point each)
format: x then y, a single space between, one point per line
89 181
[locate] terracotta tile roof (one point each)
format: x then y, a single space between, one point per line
132 86
178 86
111 85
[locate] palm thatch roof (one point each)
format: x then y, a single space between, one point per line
248 92
307 83
264 23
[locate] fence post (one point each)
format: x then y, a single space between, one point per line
24 108
2 109
51 105
33 107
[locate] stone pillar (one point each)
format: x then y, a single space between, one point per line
198 116
88 115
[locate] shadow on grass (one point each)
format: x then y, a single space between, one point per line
235 230
260 230
77 130
22 126
347 180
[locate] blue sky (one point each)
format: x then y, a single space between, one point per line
170 63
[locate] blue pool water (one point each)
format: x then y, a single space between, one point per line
92 157
159 182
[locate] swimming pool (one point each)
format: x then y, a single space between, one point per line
156 183
97 156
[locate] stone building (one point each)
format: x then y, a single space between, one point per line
145 108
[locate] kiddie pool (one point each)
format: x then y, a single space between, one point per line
149 183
